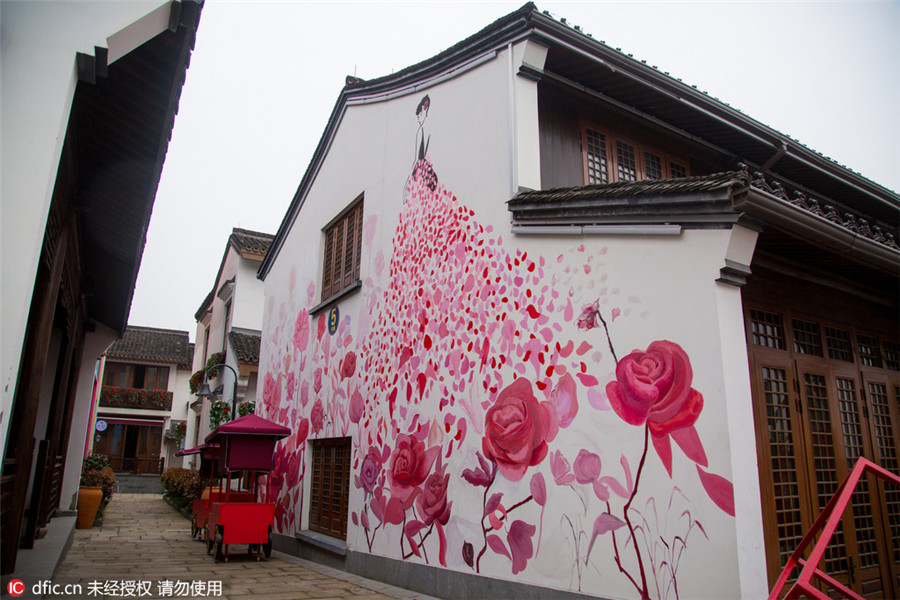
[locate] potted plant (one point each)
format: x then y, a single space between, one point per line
95 491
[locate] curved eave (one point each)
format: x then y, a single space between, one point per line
819 231
506 29
640 86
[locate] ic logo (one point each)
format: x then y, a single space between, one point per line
15 587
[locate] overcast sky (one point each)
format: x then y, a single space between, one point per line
264 77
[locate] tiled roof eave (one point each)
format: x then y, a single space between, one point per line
818 229
696 201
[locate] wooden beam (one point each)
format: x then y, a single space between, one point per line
28 392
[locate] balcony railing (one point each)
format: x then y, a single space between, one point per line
118 397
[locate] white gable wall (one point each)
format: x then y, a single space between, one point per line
649 288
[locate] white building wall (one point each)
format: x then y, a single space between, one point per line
249 296
95 344
447 256
40 41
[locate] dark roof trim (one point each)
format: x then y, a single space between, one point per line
243 241
205 305
455 59
819 230
553 31
703 201
527 22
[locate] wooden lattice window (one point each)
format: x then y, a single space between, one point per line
608 158
838 342
767 329
892 355
869 351
827 474
677 170
783 464
626 162
653 165
807 339
343 250
596 158
330 489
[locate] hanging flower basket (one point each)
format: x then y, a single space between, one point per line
219 412
246 408
196 381
179 429
214 360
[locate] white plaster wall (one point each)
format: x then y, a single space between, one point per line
249 296
39 43
95 345
648 288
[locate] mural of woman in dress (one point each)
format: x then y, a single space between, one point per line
422 167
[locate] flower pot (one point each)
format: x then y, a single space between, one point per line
89 498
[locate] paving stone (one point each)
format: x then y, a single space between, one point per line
142 538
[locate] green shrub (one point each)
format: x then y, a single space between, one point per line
183 486
103 478
95 462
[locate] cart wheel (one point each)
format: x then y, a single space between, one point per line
219 546
267 547
194 528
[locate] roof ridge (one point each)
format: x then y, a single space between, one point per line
155 329
252 233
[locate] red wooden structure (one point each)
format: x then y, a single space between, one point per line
210 470
810 574
244 445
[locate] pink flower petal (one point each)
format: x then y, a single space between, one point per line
720 490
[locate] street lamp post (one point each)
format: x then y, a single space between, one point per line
205 392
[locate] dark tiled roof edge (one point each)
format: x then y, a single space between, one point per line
152 344
246 345
699 183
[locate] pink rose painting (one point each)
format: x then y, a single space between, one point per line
409 466
517 429
654 387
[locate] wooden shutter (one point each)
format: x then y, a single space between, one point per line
343 248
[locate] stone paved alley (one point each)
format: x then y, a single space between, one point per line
143 541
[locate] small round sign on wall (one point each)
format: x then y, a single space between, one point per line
100 425
334 317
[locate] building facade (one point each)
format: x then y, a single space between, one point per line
90 96
524 307
228 331
143 402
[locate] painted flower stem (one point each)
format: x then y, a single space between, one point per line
643 586
608 339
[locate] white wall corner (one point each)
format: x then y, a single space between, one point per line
738 256
141 31
739 414
528 60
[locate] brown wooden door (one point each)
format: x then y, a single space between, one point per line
818 409
779 431
834 418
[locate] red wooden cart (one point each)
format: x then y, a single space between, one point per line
210 471
245 445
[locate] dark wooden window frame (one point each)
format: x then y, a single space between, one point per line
611 159
330 486
136 375
342 253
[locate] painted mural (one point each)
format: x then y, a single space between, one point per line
494 419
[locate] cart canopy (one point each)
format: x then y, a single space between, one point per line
248 442
197 449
